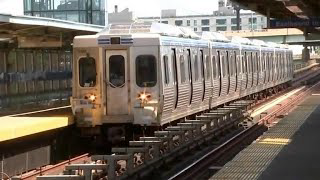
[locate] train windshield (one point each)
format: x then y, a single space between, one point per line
87 72
146 71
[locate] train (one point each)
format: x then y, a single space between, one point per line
152 74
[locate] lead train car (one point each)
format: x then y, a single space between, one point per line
152 74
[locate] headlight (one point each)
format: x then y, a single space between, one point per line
91 97
144 97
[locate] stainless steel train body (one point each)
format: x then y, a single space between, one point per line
132 75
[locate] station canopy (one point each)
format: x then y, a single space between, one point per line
39 32
302 14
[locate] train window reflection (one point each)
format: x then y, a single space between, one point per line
87 72
146 71
196 70
166 69
182 70
214 67
116 70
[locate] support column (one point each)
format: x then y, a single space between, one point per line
305 51
268 17
238 18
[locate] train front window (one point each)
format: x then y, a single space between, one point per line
87 72
146 71
117 70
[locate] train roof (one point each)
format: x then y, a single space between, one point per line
155 30
149 28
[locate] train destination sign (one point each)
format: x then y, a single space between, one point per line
294 23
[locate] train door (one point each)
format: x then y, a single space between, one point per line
215 76
203 80
175 78
219 72
117 88
190 75
228 70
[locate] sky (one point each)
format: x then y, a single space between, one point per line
6 7
153 7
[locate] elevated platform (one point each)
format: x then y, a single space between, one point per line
16 127
289 150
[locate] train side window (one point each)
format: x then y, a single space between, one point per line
87 72
263 62
223 66
219 68
146 71
202 64
208 66
244 63
228 64
189 65
257 62
166 69
214 67
235 63
196 68
182 70
248 64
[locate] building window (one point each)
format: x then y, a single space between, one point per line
221 21
195 22
222 28
205 22
178 22
195 29
164 22
74 10
205 28
188 22
235 28
235 21
253 20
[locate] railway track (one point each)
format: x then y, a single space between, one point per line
212 159
149 155
152 154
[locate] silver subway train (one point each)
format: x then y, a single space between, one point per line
150 74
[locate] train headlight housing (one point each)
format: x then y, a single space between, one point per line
144 97
91 97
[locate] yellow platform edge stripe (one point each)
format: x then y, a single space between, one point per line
15 127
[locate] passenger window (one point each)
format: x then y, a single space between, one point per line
244 60
166 69
189 65
202 64
228 64
214 67
146 71
182 70
116 70
208 66
235 63
196 68
87 72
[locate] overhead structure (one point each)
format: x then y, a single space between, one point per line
302 14
296 10
33 32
